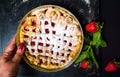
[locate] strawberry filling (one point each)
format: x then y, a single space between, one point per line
41 44
54 32
70 44
52 24
61 13
40 50
33 50
48 39
45 10
47 30
47 45
63 61
46 23
40 38
32 43
26 36
34 22
34 30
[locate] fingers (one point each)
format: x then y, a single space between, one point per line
9 50
18 55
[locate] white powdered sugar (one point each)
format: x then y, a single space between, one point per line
58 41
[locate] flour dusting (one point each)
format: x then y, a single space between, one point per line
25 1
87 1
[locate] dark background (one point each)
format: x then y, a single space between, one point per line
12 11
110 14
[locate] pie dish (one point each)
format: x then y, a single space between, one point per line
53 38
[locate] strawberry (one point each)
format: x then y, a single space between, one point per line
91 27
85 64
111 66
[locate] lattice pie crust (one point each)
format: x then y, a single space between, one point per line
52 37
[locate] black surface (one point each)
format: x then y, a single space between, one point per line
110 14
12 11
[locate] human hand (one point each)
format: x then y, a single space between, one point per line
10 59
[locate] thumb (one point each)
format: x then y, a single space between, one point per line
19 53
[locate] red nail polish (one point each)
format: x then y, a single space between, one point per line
21 46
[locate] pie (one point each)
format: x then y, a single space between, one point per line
52 36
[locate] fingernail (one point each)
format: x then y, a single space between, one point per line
21 46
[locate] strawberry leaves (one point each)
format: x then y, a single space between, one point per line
83 56
97 38
93 39
98 41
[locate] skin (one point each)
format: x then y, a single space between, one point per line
10 59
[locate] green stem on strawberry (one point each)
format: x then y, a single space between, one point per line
90 50
93 58
87 54
84 55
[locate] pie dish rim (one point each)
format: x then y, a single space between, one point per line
44 69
